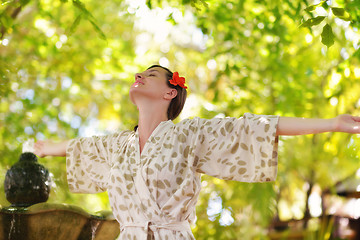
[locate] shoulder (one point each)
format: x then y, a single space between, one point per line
186 123
125 133
122 135
203 121
197 123
115 137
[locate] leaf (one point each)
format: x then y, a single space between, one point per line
171 19
98 30
75 24
82 8
6 21
313 7
198 4
327 36
312 21
149 4
341 13
204 3
338 11
90 17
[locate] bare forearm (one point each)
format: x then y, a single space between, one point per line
302 126
47 148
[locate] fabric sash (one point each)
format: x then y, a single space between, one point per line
174 226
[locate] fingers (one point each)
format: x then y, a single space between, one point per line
39 144
348 123
356 118
356 124
39 148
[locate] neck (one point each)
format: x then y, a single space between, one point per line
150 116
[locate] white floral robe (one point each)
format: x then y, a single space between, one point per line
153 195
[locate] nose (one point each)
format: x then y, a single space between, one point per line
138 76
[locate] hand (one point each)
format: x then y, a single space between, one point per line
347 123
41 148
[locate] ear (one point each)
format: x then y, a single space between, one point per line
170 94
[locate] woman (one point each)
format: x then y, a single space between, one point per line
152 174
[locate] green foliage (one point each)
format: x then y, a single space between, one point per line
314 6
327 36
312 21
88 16
42 68
59 79
75 24
341 13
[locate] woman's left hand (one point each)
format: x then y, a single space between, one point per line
347 123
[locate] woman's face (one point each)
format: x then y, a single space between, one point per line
150 85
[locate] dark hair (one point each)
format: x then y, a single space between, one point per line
177 103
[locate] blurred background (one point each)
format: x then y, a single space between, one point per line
66 68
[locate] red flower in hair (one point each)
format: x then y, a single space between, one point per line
176 80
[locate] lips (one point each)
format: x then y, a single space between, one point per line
137 83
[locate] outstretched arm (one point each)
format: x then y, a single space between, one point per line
47 148
301 126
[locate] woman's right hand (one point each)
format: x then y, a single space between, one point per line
42 148
48 148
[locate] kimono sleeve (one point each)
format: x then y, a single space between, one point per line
88 162
242 149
